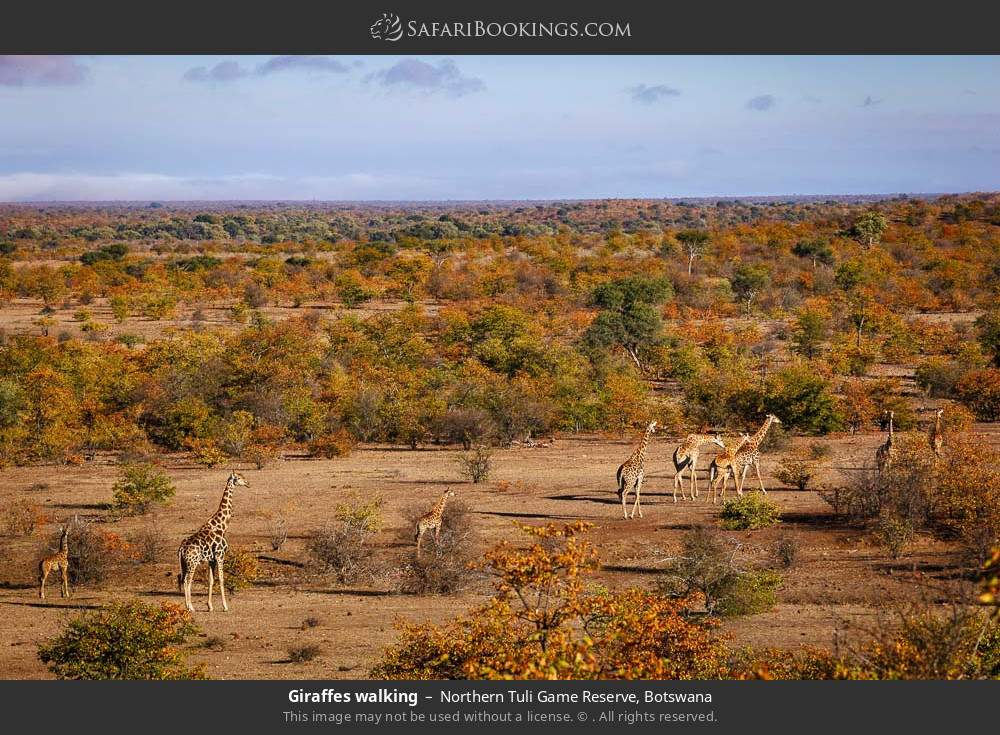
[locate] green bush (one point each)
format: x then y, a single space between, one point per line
125 640
749 593
140 486
749 511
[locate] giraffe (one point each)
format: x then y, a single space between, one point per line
632 471
748 455
431 520
936 436
886 453
686 458
721 467
208 544
57 562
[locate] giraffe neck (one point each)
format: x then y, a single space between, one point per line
640 452
937 424
439 508
64 543
754 442
890 427
225 511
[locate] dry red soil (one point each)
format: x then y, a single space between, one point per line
833 590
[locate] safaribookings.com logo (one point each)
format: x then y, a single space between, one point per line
390 28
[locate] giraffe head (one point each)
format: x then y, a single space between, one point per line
449 493
940 412
652 427
235 478
717 441
773 419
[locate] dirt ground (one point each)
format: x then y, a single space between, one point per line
834 588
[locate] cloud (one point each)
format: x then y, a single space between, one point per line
648 94
414 74
224 71
231 71
870 102
304 63
41 71
761 103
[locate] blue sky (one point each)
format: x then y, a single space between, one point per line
515 127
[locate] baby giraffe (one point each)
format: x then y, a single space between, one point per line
432 519
58 562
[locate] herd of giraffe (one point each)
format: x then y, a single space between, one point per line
208 544
736 461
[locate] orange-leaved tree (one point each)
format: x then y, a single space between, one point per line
546 620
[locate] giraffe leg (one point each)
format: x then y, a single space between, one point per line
739 480
211 583
638 491
65 581
41 589
694 476
219 565
756 466
420 537
188 581
623 495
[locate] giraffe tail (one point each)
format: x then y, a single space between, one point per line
183 572
618 477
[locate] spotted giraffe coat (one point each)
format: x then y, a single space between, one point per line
432 519
208 544
632 471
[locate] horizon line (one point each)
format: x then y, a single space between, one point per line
675 198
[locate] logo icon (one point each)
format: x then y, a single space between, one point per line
387 28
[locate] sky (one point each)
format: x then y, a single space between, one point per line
494 127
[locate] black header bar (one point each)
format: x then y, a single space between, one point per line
448 27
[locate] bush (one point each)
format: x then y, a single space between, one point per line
804 400
205 451
895 533
928 643
466 426
749 593
241 569
797 472
125 640
338 444
300 654
345 549
139 486
21 518
545 622
476 465
979 390
147 544
705 566
94 554
938 376
786 551
442 567
749 511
